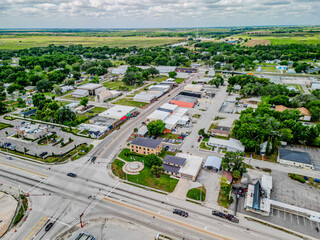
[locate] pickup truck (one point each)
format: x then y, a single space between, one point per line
230 217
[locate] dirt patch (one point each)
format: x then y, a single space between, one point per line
255 42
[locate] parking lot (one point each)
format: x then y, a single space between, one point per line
285 219
314 155
33 147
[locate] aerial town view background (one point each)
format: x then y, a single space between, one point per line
158 132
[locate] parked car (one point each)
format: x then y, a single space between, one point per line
166 148
71 174
240 191
229 217
48 227
43 154
180 137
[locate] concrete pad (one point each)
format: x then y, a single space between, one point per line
181 189
8 205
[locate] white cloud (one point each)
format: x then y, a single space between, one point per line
156 13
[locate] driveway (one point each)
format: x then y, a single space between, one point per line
181 189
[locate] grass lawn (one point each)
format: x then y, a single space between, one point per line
116 84
213 126
126 155
223 198
164 183
163 154
160 78
118 63
204 146
179 80
86 116
128 102
4 125
63 103
22 42
196 116
195 193
22 210
272 158
171 136
221 137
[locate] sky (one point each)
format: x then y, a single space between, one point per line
156 13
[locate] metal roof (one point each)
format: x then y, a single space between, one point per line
146 142
174 160
213 161
294 156
170 168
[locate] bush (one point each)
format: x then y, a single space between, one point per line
231 200
297 178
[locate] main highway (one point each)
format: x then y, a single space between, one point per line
55 197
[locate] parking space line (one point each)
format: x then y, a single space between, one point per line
291 217
298 219
271 212
304 221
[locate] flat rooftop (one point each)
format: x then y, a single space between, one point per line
90 86
117 112
192 164
183 98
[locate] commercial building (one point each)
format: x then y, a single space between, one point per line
221 131
165 69
294 158
118 112
79 93
315 85
72 106
106 95
31 131
191 167
92 88
184 101
158 115
167 107
146 146
257 200
213 163
144 97
186 70
231 145
305 113
28 113
193 88
211 73
172 164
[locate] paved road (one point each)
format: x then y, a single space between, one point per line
61 198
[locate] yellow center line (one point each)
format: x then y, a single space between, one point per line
187 225
26 170
36 228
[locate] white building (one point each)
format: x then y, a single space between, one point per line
92 88
106 95
121 70
144 97
231 145
31 131
191 167
158 115
118 112
79 93
315 85
193 88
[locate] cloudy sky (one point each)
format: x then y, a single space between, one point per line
155 13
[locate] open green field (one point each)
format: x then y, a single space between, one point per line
280 39
128 102
21 42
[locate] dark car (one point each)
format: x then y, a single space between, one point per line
240 191
43 154
180 212
71 174
232 218
93 159
166 148
219 214
48 227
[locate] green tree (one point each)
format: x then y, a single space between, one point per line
153 71
64 116
230 89
236 174
201 132
95 79
156 127
233 161
172 74
152 160
84 101
156 170
57 89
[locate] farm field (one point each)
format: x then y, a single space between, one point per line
14 42
281 39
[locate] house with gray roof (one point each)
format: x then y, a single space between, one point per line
172 164
294 158
146 146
